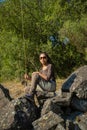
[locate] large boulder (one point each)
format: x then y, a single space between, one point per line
48 121
54 104
18 114
50 106
76 80
76 84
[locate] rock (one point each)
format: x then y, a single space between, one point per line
67 85
56 111
71 125
60 127
54 104
72 115
5 97
67 95
75 80
81 90
79 104
82 126
58 92
42 96
82 121
61 101
50 106
18 115
48 121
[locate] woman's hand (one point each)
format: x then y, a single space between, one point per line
35 72
26 76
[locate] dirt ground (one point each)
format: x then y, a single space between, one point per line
16 88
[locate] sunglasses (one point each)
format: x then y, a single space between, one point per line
44 57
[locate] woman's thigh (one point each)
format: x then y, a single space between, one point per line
47 85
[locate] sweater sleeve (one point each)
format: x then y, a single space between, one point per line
49 71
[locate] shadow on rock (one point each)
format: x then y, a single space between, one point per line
67 85
19 115
6 92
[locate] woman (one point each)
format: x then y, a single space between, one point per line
44 78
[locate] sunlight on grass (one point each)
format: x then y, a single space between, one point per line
16 89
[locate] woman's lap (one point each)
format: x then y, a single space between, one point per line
47 85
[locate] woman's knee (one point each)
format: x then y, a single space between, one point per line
35 75
26 90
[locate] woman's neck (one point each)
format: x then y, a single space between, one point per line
44 65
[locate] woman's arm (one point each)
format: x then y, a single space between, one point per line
48 75
43 76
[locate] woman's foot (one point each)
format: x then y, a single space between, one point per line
29 97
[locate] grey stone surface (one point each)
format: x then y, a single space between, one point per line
71 125
47 121
81 90
82 121
50 106
42 96
18 115
79 104
60 127
54 104
67 95
61 101
75 79
82 126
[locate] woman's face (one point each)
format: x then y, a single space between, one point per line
43 59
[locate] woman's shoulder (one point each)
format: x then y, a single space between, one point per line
50 65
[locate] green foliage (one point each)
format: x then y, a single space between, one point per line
76 31
25 28
11 52
66 59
